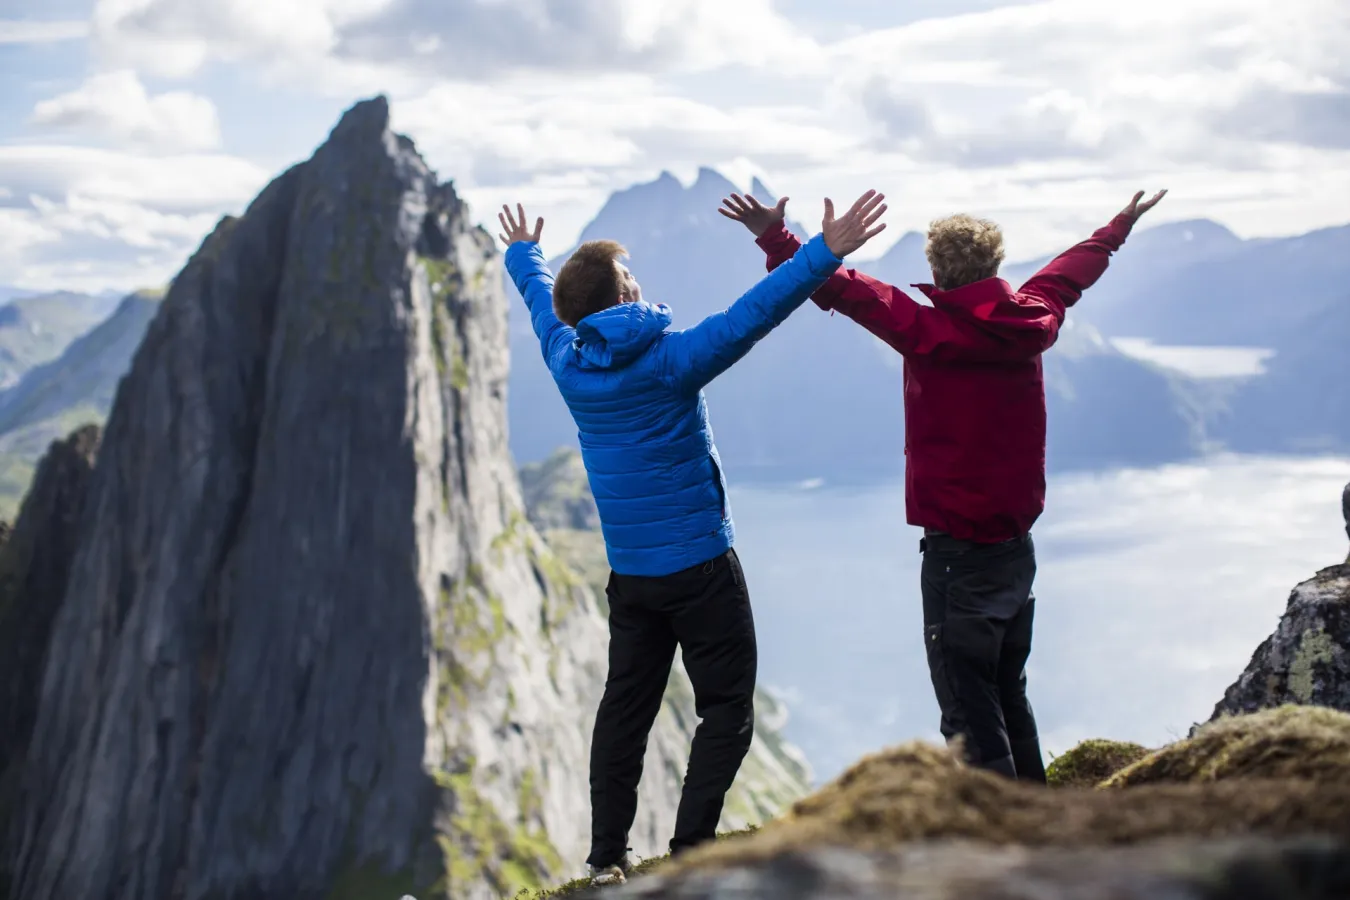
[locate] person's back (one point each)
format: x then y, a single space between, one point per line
635 390
975 428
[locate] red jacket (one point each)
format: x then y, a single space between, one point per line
974 394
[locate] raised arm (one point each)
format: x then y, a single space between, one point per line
1062 281
697 355
909 327
525 264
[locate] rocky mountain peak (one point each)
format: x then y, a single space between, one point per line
308 644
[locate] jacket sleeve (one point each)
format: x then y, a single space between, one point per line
525 265
695 356
909 327
1062 281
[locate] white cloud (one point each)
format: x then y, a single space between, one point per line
1047 115
464 39
26 31
1062 77
87 218
117 107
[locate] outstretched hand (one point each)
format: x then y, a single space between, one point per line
752 214
1137 209
515 230
855 228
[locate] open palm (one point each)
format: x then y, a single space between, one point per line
752 214
514 228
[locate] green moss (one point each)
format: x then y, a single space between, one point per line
510 536
459 369
438 341
514 858
1092 762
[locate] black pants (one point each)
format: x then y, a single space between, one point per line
705 610
977 614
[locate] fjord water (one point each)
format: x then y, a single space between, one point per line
1154 587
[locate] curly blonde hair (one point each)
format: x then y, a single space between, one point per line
963 249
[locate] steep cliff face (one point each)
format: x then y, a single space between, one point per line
1307 658
34 566
310 646
558 501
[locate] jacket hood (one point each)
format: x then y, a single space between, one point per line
991 302
614 337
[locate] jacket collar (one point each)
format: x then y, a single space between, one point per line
614 337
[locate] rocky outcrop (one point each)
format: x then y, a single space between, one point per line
1300 869
310 646
1307 659
775 773
34 564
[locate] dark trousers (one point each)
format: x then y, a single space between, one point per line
705 610
977 615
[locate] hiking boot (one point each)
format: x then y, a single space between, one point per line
615 873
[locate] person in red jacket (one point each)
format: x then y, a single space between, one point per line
974 452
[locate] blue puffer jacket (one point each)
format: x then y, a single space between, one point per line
635 391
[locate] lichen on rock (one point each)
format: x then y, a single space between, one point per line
1307 658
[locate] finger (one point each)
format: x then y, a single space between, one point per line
510 219
874 232
754 203
521 209
829 210
538 228
858 204
870 218
502 219
781 208
505 239
872 204
742 204
732 210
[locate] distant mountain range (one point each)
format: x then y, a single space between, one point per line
74 386
821 398
36 328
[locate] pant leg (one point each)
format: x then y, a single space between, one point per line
1012 682
716 632
641 650
971 594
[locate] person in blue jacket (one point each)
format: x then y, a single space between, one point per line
635 389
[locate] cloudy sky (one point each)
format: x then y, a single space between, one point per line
128 126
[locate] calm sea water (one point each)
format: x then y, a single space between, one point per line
1154 588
